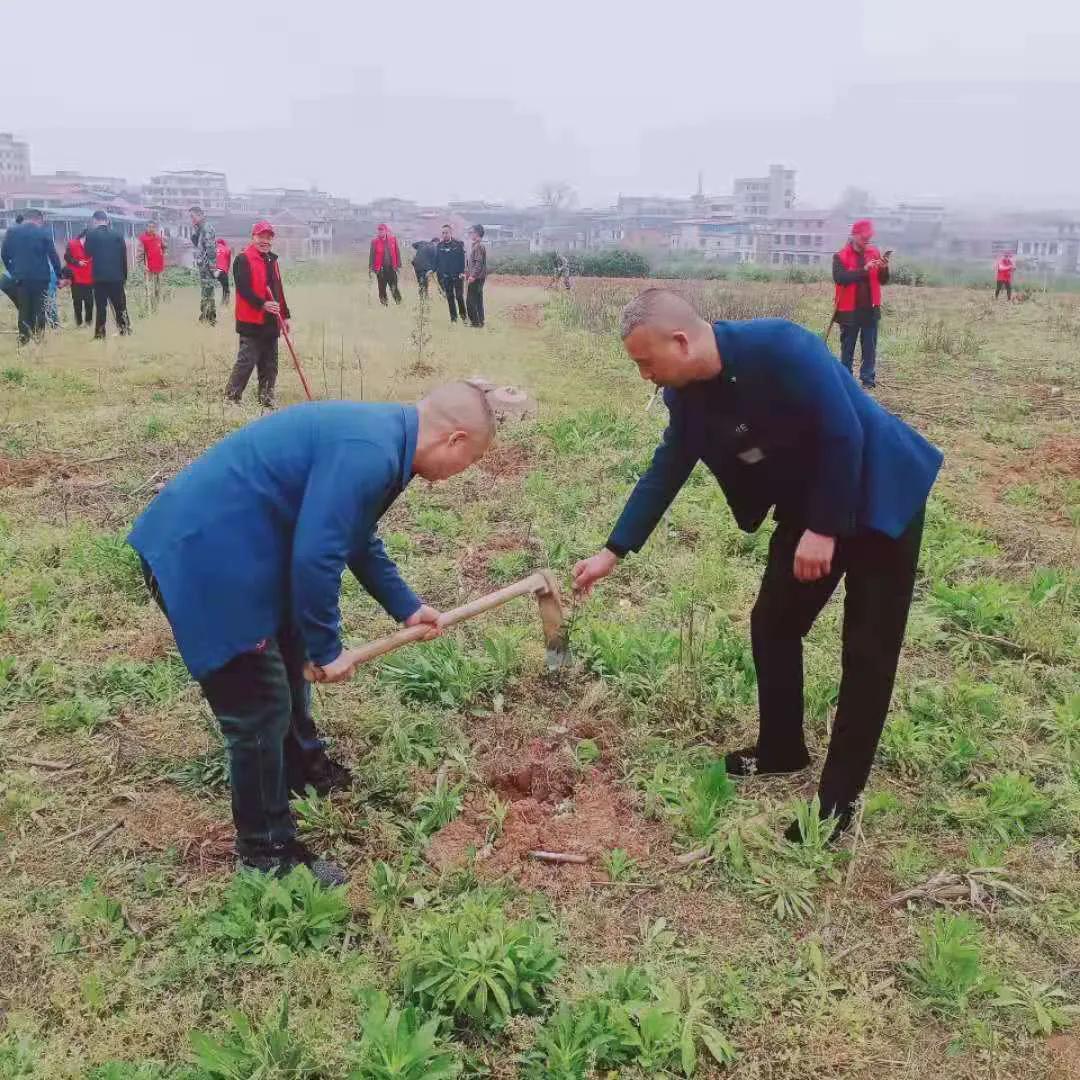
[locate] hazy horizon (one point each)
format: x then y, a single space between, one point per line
961 102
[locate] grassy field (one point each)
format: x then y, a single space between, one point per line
128 950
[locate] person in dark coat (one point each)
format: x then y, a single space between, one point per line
423 263
29 256
107 251
783 427
244 551
450 268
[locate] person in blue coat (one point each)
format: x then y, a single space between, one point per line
244 551
29 256
784 427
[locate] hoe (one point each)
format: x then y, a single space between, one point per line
541 585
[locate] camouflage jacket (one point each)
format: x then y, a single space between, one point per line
204 241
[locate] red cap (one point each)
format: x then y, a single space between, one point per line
863 228
262 227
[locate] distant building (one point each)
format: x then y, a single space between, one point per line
727 241
185 188
801 238
765 196
14 159
67 178
653 206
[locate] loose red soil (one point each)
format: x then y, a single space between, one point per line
555 805
22 472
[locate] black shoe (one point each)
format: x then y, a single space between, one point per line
323 775
280 860
842 816
745 762
869 385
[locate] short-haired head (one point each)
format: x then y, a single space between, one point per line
662 332
34 214
478 230
457 426
100 217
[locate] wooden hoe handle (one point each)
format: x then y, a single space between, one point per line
538 583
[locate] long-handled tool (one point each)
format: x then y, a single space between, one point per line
541 585
292 351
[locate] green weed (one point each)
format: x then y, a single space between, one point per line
442 673
78 713
1008 805
1044 1008
265 920
269 1051
398 1044
476 966
949 972
620 865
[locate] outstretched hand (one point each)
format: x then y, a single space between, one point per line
426 616
589 571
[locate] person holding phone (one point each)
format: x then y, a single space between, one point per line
859 271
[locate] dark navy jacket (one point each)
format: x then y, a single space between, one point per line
785 426
257 532
28 252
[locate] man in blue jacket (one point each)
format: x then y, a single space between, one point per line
28 253
245 549
783 427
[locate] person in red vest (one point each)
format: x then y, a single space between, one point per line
152 251
261 313
384 259
79 268
1005 267
859 270
224 261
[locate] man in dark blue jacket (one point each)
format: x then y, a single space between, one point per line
245 549
28 253
450 270
783 427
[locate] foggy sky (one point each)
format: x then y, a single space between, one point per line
974 102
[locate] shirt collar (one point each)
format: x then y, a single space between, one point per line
729 354
412 427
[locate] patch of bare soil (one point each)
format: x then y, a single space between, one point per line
508 461
1064 1051
527 314
165 818
22 472
555 805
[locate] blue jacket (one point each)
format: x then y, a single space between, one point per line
784 427
257 532
28 252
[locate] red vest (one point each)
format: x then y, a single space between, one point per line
380 252
1005 267
155 255
224 257
845 294
80 275
246 312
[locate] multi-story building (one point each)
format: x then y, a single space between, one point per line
14 159
800 238
728 241
765 196
182 189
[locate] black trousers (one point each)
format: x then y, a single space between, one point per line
454 289
474 302
879 575
387 279
421 281
82 298
263 705
1007 286
105 293
30 300
255 352
223 277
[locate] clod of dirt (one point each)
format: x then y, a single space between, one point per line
547 774
527 314
164 818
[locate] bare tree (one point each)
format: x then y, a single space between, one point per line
556 195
